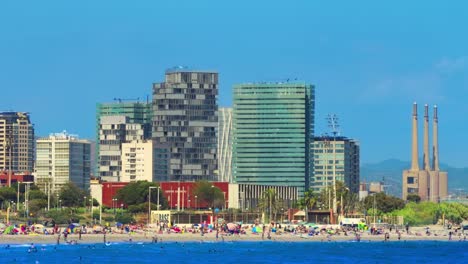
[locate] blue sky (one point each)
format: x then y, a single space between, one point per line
369 60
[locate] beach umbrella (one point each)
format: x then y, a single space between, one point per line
118 224
8 229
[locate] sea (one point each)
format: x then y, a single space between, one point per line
240 252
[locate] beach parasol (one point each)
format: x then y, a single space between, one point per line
8 229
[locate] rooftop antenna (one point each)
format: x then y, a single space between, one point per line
333 124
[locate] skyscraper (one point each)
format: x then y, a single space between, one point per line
62 158
113 132
184 125
225 144
273 128
16 142
136 112
337 156
428 182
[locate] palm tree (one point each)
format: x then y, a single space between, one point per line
270 202
309 201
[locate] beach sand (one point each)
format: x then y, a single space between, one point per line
417 233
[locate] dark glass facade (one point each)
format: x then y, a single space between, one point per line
184 126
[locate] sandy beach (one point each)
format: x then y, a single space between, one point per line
416 233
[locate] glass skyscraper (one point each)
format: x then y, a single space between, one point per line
184 126
273 128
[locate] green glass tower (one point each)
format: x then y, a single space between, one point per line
273 128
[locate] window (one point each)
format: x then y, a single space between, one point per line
410 180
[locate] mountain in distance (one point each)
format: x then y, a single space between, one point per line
390 172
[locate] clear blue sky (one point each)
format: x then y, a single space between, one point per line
369 60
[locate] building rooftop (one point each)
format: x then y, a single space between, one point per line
187 69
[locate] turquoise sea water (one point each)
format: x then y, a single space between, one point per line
242 252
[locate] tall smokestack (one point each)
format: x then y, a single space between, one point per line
435 141
414 158
426 164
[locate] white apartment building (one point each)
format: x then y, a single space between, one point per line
113 132
62 158
137 161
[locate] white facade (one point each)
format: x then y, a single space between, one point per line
225 144
62 158
137 161
113 132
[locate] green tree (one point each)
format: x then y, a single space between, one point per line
37 195
208 194
383 203
7 194
345 199
270 203
36 205
413 198
309 201
136 193
71 195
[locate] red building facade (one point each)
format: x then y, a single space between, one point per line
179 195
25 177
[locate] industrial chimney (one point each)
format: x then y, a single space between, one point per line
435 141
414 158
426 164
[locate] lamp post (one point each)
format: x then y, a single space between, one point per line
84 201
114 204
149 203
196 200
60 204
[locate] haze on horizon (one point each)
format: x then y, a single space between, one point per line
369 60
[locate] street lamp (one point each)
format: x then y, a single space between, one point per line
196 200
149 203
84 200
60 204
114 204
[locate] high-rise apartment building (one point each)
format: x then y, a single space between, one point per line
225 144
273 128
62 158
335 159
113 132
184 126
136 112
16 142
428 182
137 161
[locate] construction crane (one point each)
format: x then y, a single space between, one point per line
120 100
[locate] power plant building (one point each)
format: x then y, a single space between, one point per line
428 182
